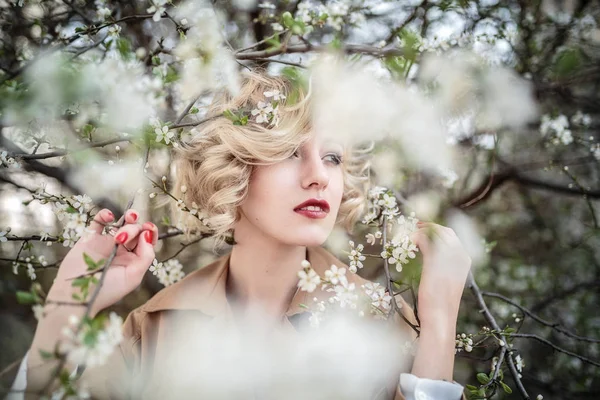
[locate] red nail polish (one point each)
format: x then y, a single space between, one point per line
121 237
148 236
134 216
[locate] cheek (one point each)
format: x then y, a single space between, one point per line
265 188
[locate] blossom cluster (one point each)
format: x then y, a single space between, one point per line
557 129
371 298
94 342
334 14
73 211
399 251
382 203
28 262
167 272
464 341
8 161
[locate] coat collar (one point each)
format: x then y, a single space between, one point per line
204 290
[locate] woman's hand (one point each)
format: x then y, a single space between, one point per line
134 255
446 265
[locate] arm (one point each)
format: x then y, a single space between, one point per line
445 268
433 362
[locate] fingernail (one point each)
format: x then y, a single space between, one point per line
134 216
148 225
110 214
148 236
121 237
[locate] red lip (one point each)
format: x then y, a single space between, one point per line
314 202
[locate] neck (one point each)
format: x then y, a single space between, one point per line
263 274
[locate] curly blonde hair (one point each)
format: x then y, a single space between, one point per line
215 165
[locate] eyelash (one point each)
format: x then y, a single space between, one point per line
337 159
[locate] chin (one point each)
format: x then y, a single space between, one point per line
310 237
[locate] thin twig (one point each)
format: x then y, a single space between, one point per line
553 325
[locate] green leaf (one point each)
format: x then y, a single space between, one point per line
506 388
124 47
194 110
287 19
80 282
89 261
483 378
46 355
26 297
568 61
88 129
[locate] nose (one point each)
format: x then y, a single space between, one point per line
315 173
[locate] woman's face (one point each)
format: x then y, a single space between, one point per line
314 174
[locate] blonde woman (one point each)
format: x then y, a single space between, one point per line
258 173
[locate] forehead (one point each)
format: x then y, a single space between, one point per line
323 140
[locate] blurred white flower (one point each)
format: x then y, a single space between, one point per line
582 119
38 311
466 230
3 235
97 179
81 349
556 129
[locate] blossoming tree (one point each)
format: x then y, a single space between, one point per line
484 117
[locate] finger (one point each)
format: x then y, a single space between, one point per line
149 226
421 240
127 235
145 251
101 218
437 230
131 216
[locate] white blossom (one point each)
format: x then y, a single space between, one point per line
38 311
371 238
398 251
556 129
82 203
167 272
379 297
277 27
162 131
263 112
103 13
582 119
158 8
356 257
275 94
519 363
309 280
3 235
336 275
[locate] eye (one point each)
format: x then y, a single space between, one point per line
335 158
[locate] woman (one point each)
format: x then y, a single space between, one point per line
259 173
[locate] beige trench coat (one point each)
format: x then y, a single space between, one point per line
143 356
